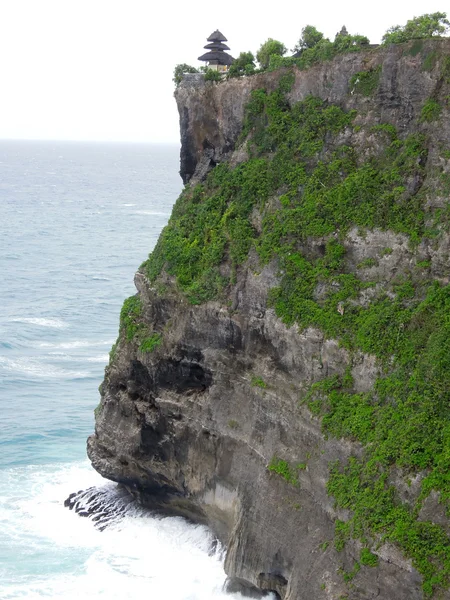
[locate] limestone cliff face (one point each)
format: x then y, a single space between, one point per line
211 119
211 116
192 426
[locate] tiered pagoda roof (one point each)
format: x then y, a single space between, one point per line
216 50
216 46
217 36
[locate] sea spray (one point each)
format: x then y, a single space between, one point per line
64 555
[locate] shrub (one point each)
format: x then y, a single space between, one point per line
367 263
341 534
349 43
368 559
258 382
129 314
425 26
430 111
150 343
113 351
446 69
365 82
135 328
180 70
283 468
243 65
324 50
349 575
213 75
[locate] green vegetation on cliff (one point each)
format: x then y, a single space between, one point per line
425 26
284 469
270 48
313 47
134 327
180 70
306 181
213 221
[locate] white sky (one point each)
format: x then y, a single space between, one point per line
102 69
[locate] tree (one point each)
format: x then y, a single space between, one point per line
180 70
425 26
310 38
343 43
243 65
267 49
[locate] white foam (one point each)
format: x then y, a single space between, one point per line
152 212
61 356
57 323
138 556
35 368
71 345
103 358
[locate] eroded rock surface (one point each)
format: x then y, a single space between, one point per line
187 431
211 115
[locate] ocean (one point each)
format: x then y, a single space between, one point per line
76 220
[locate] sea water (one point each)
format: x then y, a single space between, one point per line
76 220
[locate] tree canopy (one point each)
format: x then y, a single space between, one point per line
243 65
313 47
310 37
180 70
349 42
268 49
425 26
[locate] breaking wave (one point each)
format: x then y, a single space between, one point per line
41 322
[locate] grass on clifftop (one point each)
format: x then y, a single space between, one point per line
304 183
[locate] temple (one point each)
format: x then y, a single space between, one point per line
216 57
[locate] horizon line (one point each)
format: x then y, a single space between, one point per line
90 141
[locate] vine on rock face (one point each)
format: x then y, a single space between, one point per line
304 183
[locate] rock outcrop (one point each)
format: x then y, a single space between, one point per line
211 116
204 423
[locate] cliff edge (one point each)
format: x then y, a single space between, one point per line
281 374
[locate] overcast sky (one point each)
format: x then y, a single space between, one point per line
102 69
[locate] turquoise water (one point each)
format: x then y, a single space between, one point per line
76 220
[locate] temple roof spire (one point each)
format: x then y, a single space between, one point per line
217 36
216 57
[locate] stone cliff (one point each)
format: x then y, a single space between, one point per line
281 374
